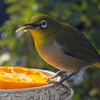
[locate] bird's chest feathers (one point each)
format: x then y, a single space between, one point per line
49 51
54 56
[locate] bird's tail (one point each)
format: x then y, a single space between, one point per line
97 64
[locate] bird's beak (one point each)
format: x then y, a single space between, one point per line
26 27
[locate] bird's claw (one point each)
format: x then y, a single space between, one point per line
62 80
57 82
51 81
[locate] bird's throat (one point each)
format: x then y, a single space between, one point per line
39 39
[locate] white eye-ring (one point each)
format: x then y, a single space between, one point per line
43 24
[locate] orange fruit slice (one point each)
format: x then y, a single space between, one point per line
18 78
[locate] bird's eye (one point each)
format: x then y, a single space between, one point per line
43 24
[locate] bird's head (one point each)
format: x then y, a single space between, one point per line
42 25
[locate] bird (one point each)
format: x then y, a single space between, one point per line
61 45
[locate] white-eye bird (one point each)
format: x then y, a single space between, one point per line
61 45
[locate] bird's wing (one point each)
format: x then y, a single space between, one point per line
75 44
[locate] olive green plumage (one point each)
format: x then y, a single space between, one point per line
75 44
61 45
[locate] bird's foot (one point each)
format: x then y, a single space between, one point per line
57 82
62 80
67 77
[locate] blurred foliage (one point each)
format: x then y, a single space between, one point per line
83 14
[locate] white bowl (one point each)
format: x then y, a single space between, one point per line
47 92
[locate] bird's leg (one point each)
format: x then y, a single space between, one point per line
59 73
62 80
67 77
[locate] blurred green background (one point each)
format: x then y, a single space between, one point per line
17 50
